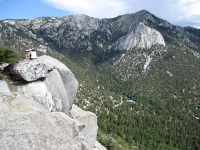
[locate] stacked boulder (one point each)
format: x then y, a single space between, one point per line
48 81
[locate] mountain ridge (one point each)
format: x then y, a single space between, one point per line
94 32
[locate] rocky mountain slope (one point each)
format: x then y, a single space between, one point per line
102 39
83 31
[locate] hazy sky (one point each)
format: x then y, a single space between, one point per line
177 12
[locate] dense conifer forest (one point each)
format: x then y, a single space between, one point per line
165 103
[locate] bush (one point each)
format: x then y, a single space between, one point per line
7 55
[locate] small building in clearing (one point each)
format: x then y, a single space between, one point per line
131 101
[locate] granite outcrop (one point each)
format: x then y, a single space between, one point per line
39 113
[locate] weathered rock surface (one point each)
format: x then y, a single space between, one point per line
58 88
29 70
4 88
89 119
69 81
3 65
142 36
35 115
25 124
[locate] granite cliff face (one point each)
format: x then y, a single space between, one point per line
142 37
57 87
35 104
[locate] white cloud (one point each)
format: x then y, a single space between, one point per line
97 8
178 12
187 2
191 12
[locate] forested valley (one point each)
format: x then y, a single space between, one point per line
164 107
157 110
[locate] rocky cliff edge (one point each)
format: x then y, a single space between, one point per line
37 110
